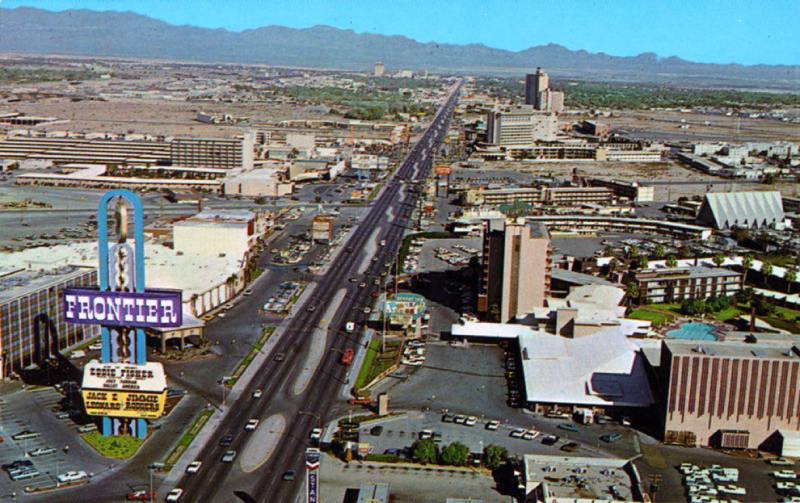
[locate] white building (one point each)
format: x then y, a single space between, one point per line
229 233
520 126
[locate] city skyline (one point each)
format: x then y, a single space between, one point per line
666 29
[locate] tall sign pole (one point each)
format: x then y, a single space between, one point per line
312 475
123 387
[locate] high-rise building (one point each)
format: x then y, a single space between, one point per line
220 153
551 101
535 83
520 126
32 324
378 70
516 265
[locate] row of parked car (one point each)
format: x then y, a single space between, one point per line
708 484
414 354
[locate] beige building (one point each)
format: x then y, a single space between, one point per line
729 394
378 70
516 264
322 228
259 182
520 126
539 95
221 153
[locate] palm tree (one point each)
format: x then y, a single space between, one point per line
747 264
791 277
632 290
748 296
613 264
193 305
718 259
766 272
672 261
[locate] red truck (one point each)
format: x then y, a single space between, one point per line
347 357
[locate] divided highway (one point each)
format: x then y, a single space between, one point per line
389 214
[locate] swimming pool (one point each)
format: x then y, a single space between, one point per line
694 332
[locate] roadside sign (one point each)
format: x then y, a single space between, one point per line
312 458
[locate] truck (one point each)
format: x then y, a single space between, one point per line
347 357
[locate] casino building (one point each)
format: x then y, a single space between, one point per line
32 324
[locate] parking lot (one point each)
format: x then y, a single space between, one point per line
35 410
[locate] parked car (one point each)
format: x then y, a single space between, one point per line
471 421
86 428
570 447
41 451
550 439
569 427
25 434
518 433
611 437
72 476
530 435
493 425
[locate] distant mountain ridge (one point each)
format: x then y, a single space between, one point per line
127 34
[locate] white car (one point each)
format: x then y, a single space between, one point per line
257 393
732 489
471 421
493 425
72 476
251 425
41 451
194 467
316 434
518 433
785 475
96 346
530 435
175 494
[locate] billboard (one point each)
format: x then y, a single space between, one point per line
124 389
124 404
150 309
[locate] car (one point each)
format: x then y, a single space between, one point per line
550 439
493 425
569 427
251 425
354 280
375 431
376 282
62 415
610 438
732 489
425 434
471 421
96 346
229 456
175 494
248 292
41 451
517 433
87 428
570 447
229 305
288 475
140 495
22 474
447 417
350 326
226 441
362 285
194 466
25 434
311 309
780 462
279 357
460 419
315 435
72 476
258 393
367 310
530 435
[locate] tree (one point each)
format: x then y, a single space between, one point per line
632 290
791 277
494 456
747 264
456 454
424 451
718 259
672 261
608 251
766 272
659 252
684 252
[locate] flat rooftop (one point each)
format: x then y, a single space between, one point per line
579 478
25 281
786 350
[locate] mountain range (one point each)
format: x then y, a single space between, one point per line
130 35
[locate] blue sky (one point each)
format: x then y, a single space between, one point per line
717 31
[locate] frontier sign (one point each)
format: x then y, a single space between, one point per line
150 309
